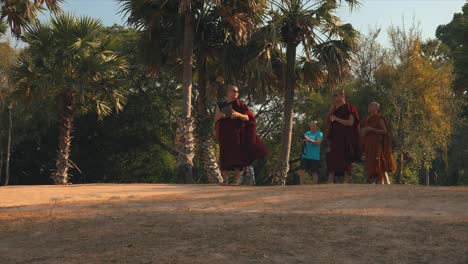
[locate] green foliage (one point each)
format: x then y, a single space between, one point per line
73 63
72 55
132 146
454 36
327 44
413 87
20 13
411 80
457 173
3 27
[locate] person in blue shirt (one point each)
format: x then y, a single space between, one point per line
310 161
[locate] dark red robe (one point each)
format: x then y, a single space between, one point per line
343 141
239 143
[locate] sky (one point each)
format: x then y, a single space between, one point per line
372 13
428 14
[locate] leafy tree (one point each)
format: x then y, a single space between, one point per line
7 103
416 94
135 145
368 58
218 24
70 60
160 20
20 13
144 132
453 35
223 29
457 172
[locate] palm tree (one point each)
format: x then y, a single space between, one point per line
71 60
8 56
327 46
20 13
222 26
160 21
184 137
217 22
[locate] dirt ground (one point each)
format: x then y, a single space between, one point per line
144 223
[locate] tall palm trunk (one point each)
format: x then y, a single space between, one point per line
66 126
184 138
283 163
399 170
10 130
1 165
205 140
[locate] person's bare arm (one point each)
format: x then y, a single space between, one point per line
332 109
344 122
315 142
219 115
242 117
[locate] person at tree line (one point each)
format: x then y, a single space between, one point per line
377 147
310 160
235 130
342 131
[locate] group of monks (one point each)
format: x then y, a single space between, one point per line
348 143
235 130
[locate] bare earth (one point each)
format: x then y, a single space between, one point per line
144 223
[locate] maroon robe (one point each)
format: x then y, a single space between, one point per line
343 141
239 144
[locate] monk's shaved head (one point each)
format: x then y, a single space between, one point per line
376 105
373 108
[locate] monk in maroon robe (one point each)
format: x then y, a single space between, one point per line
239 144
342 132
377 147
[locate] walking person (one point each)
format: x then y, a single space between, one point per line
239 144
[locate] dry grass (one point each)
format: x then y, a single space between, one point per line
210 224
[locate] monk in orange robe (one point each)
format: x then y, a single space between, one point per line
377 148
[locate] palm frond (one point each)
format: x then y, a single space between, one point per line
20 13
72 54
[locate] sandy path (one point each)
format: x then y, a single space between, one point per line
144 223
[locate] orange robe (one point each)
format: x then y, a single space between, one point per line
378 148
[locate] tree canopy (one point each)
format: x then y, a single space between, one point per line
88 103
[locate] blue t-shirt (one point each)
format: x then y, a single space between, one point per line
312 151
